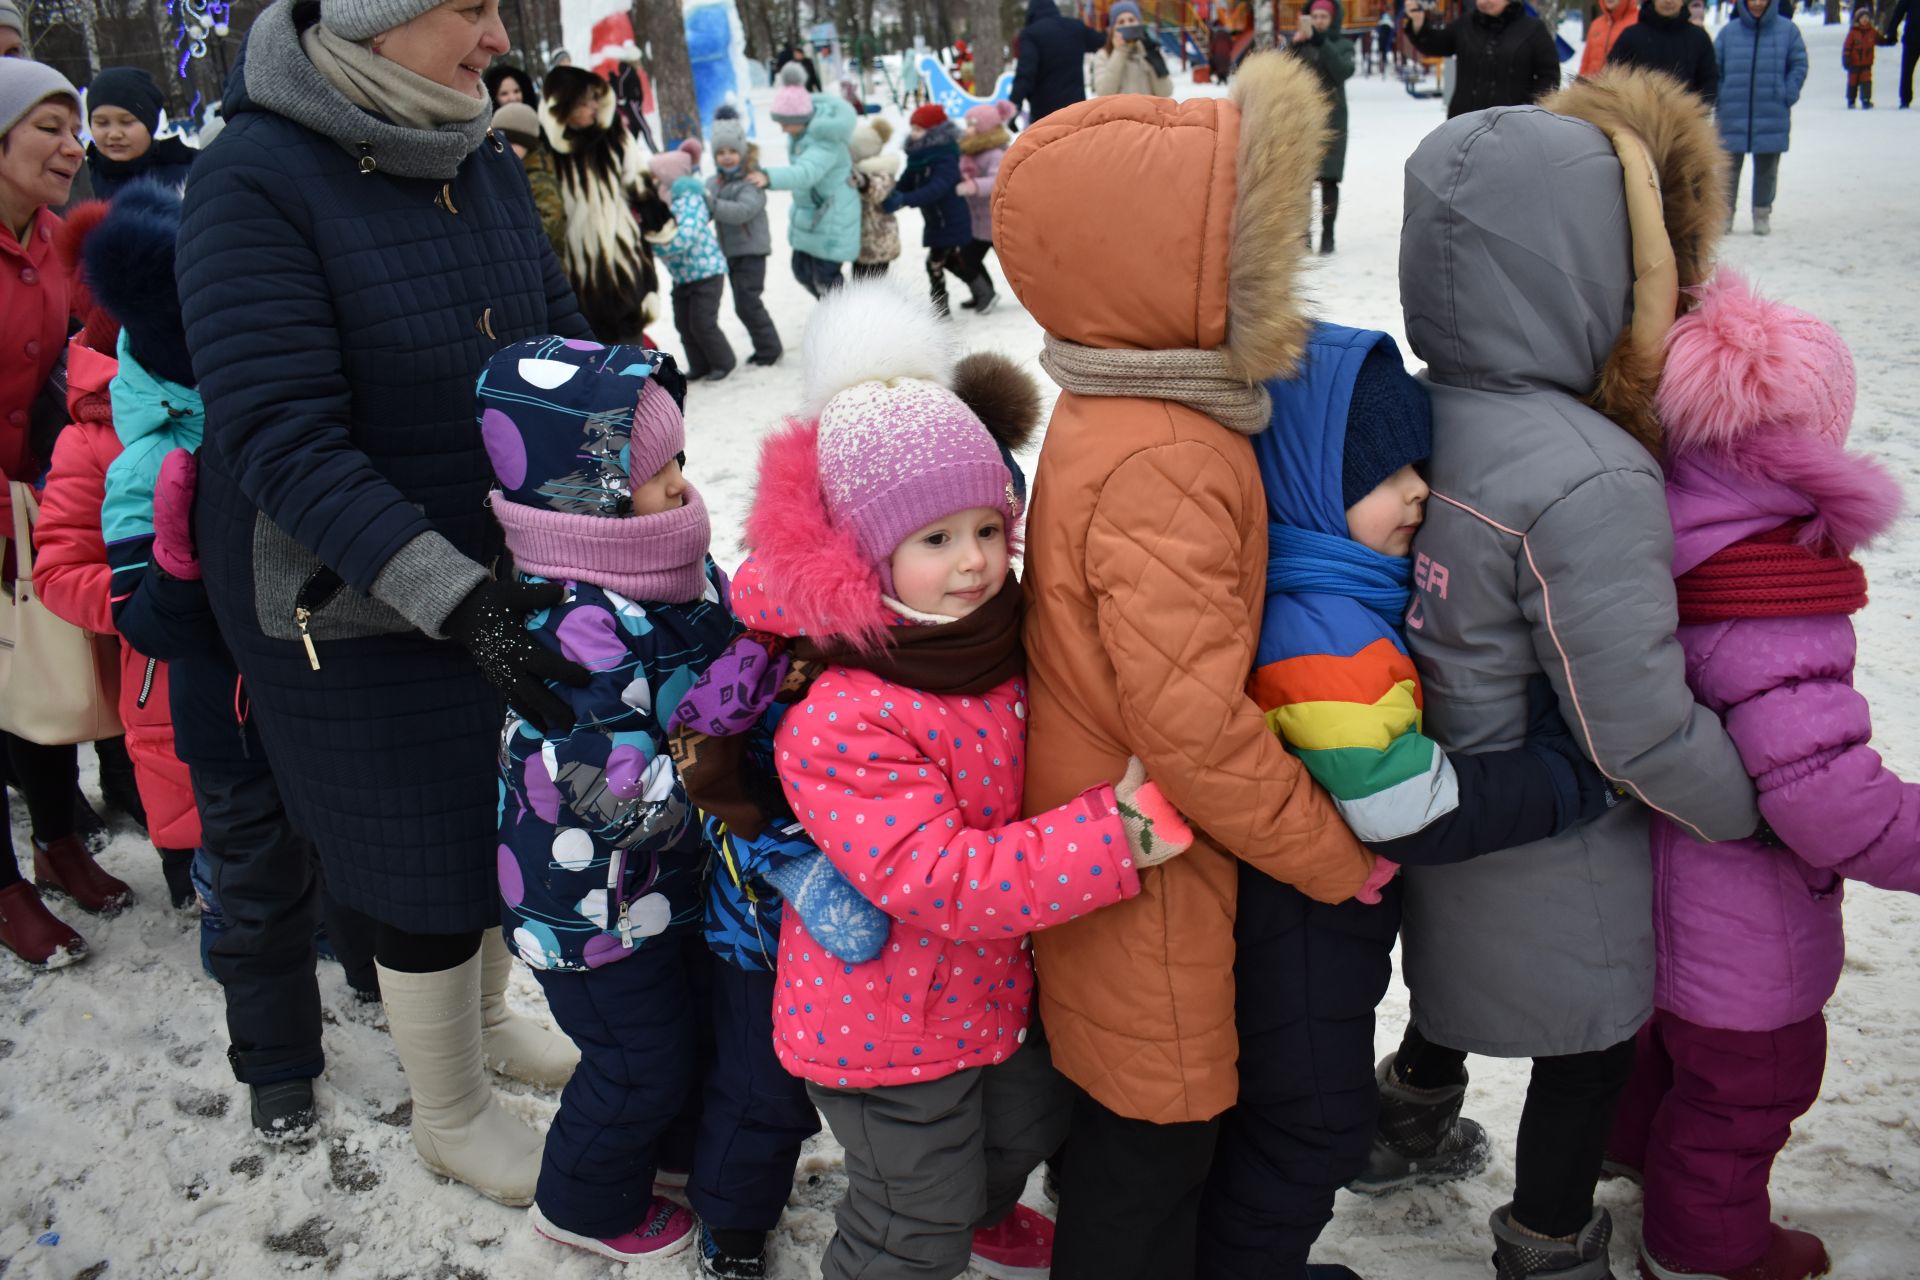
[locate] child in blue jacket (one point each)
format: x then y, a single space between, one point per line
690 249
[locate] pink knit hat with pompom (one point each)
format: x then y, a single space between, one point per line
791 104
989 116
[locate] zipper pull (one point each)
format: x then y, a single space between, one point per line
301 616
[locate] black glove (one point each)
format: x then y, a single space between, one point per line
492 623
1581 792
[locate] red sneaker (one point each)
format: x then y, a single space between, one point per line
34 933
666 1230
66 867
1790 1255
1019 1247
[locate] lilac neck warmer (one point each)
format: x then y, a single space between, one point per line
659 557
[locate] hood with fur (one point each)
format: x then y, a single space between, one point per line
1231 186
565 89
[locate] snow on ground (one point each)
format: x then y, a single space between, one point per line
126 1149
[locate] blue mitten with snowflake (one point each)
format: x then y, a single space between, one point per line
839 918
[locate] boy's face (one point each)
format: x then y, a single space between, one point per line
1386 519
727 158
954 565
1863 19
665 491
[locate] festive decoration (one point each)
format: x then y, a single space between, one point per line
194 21
943 89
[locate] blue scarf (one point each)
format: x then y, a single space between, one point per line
1300 560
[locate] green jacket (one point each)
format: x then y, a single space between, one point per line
1331 57
546 198
825 221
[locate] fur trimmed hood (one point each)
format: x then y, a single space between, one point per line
565 89
1652 114
1235 182
887 164
972 144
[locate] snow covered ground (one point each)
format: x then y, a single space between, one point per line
124 1143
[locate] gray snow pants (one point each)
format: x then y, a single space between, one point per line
747 274
928 1163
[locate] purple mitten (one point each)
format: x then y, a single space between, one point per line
734 690
173 548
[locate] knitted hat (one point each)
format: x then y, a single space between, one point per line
727 132
128 260
988 116
667 166
10 17
928 116
520 123
572 426
1389 424
1318 5
898 449
869 137
365 19
1124 7
130 89
791 104
24 85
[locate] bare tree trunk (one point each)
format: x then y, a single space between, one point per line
1833 13
983 32
942 24
659 27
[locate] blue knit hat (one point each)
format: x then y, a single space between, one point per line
572 426
1389 424
128 262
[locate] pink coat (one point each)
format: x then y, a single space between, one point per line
1750 935
916 798
982 168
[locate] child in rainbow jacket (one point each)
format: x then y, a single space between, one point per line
1332 672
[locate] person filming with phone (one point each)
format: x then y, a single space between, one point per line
1130 62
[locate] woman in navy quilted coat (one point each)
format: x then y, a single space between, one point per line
349 258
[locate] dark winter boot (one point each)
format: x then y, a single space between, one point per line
1422 1139
1519 1256
1790 1255
732 1255
937 285
176 865
984 297
1329 210
283 1112
119 788
66 867
88 825
34 933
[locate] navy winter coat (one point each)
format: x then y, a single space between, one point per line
338 320
1763 65
928 184
1051 72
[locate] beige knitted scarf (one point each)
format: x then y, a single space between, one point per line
386 88
1198 379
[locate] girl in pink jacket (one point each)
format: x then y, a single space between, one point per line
1767 508
879 538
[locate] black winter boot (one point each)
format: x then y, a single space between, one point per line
283 1112
1520 1256
119 788
1329 210
176 865
984 297
1421 1139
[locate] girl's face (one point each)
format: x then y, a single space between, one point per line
509 91
915 132
586 114
954 565
1322 19
727 159
666 491
41 155
450 44
118 135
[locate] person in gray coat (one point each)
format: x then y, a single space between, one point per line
1548 548
740 216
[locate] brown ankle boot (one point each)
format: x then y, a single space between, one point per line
66 867
34 933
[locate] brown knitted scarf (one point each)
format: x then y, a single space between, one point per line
1201 380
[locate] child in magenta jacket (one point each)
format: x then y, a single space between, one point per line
1767 507
879 538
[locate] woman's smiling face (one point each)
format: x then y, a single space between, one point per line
450 44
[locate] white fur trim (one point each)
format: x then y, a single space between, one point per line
872 331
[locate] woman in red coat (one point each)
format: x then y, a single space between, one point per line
39 154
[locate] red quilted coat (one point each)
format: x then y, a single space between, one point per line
70 572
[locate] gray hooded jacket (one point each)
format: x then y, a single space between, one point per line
1547 547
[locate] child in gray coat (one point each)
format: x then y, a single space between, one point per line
740 214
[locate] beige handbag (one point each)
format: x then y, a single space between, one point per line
58 683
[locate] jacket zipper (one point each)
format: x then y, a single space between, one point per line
616 866
1753 95
316 593
146 684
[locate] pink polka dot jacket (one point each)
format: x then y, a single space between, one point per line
916 798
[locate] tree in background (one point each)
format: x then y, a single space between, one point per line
989 45
661 30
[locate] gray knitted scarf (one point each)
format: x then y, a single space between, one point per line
346 102
1198 379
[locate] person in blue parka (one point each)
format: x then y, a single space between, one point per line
1763 65
349 257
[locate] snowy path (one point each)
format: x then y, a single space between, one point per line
122 1132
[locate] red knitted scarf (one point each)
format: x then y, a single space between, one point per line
1771 576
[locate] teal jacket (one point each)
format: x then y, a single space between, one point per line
826 209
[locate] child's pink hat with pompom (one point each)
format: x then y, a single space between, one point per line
791 104
667 167
989 116
1739 364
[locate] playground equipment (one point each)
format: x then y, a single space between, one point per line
942 88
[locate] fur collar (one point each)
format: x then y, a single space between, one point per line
564 141
972 144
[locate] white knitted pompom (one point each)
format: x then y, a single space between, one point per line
872 331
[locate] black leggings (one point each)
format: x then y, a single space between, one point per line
1563 1127
404 952
46 776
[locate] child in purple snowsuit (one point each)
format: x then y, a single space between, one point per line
1767 506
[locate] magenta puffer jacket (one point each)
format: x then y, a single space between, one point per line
1749 936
